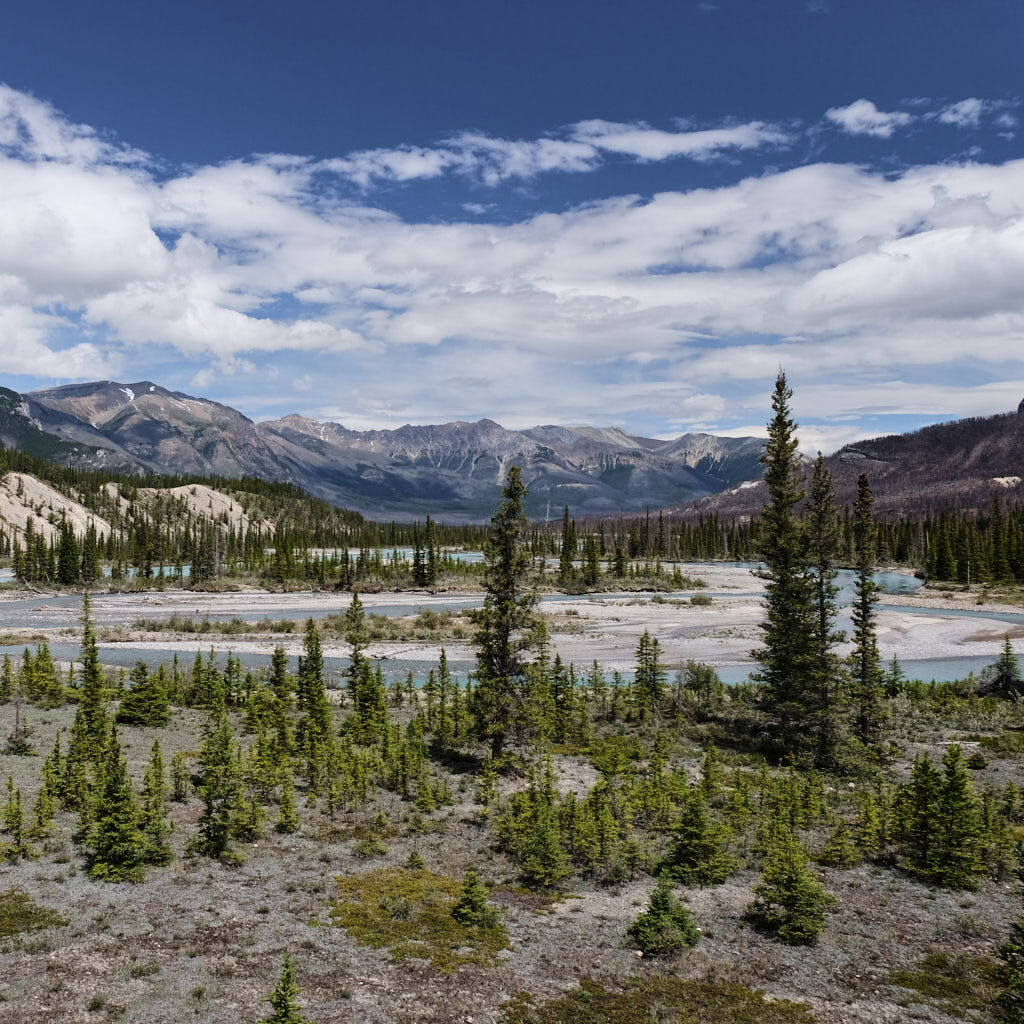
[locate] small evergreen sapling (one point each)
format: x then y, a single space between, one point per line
840 851
698 855
288 820
115 846
285 1009
666 926
180 779
790 903
472 908
153 816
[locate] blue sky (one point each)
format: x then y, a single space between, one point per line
602 213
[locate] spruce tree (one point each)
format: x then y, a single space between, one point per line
917 820
840 851
823 712
956 851
698 855
153 815
180 779
91 718
145 701
114 844
358 638
285 1008
666 926
503 631
220 788
1003 678
790 903
567 553
471 908
288 820
543 862
43 811
14 825
867 692
314 738
649 677
787 659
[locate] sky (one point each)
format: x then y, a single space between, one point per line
581 213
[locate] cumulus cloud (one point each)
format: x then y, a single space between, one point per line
676 305
862 117
33 130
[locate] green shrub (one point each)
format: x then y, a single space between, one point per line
19 914
953 981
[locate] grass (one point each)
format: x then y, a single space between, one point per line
23 639
232 627
656 999
19 914
955 982
428 624
409 913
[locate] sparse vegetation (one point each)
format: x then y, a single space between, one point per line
657 998
412 913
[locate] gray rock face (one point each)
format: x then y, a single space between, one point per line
453 470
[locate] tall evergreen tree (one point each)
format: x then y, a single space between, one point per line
91 714
823 712
503 624
314 734
956 851
649 677
567 552
867 682
788 657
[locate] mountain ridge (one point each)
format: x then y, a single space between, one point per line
959 464
452 470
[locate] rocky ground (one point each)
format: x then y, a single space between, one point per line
201 942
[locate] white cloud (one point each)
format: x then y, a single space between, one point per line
671 305
862 117
33 130
965 114
583 148
646 143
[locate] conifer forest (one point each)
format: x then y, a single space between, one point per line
502 772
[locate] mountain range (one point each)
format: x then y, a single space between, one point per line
959 464
452 471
